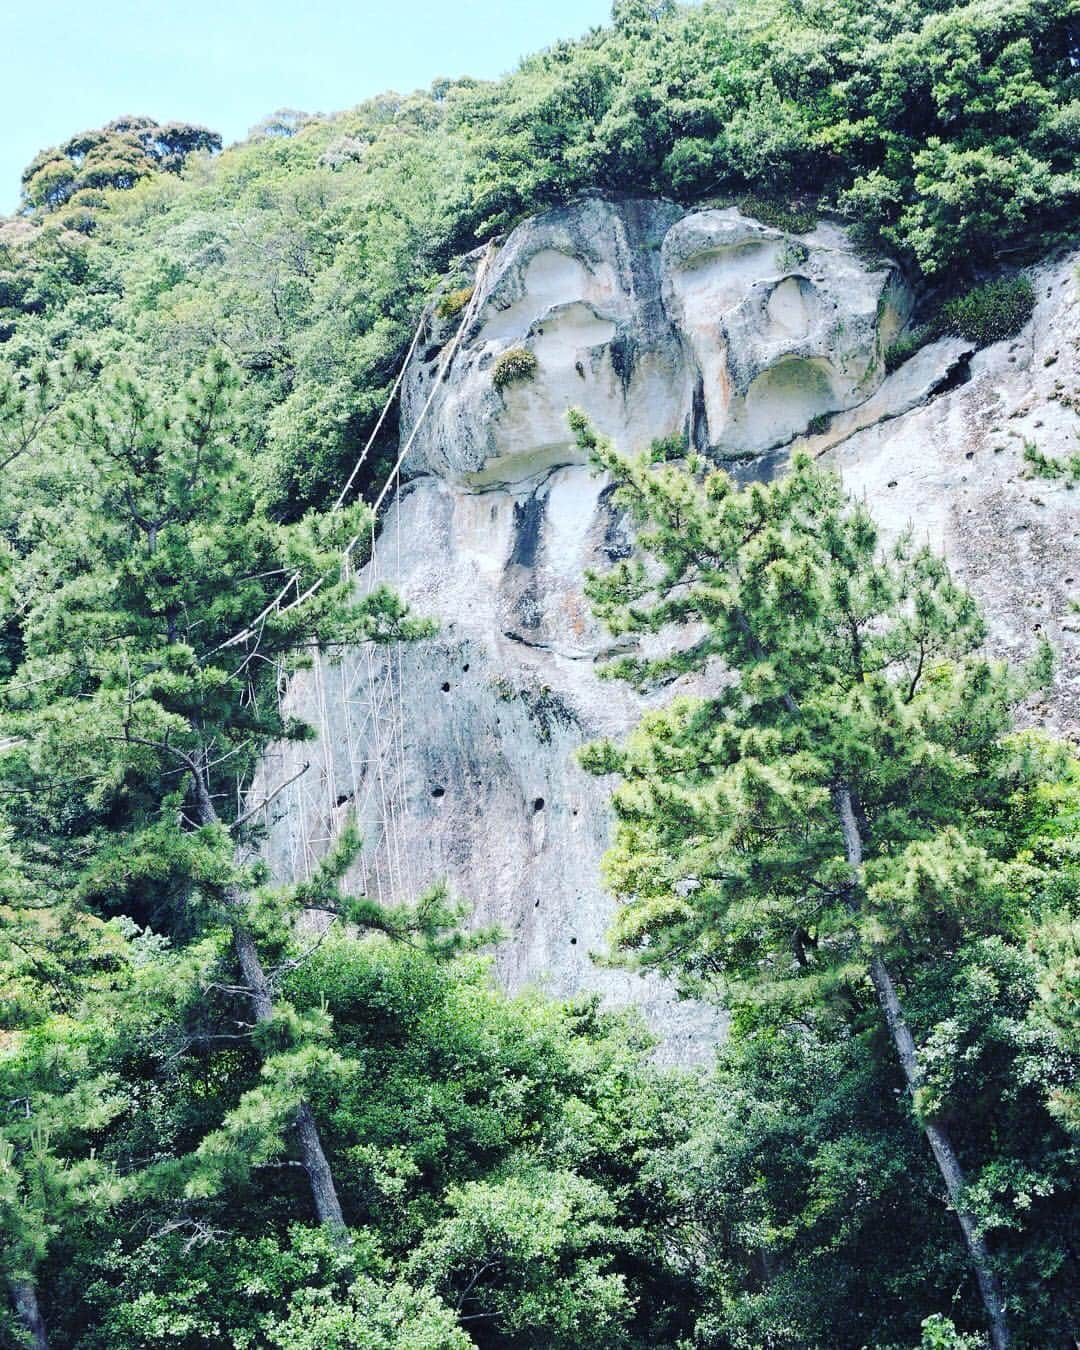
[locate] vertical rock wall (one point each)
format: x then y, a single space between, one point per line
458 753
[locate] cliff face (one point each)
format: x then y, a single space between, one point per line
458 754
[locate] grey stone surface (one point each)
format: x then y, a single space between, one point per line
781 329
656 322
952 468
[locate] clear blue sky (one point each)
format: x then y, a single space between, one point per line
74 64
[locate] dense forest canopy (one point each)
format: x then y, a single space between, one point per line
216 1131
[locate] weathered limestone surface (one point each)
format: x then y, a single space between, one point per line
655 322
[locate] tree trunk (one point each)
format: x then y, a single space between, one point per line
937 1136
312 1154
24 1297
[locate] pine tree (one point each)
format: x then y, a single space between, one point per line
812 821
151 647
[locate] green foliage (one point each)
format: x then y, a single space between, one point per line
992 312
906 345
818 423
792 218
1045 466
489 1151
855 677
116 156
515 364
534 1251
792 255
371 1316
517 1172
989 313
939 1333
452 303
944 131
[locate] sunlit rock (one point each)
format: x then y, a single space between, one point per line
458 755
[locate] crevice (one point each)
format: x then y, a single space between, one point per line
959 373
528 527
547 647
955 376
699 421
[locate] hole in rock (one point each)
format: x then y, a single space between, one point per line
790 307
445 686
465 666
438 791
573 942
538 803
958 375
785 398
345 796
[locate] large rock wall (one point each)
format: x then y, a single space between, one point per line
656 322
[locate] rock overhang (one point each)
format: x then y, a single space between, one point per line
656 321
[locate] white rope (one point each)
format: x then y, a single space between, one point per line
382 726
382 417
398 726
446 357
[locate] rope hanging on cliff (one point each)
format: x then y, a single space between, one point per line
445 358
388 723
381 728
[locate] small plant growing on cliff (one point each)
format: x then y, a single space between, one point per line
451 304
990 313
516 364
666 448
1043 466
906 345
792 217
818 423
792 255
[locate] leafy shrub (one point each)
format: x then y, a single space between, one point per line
792 217
992 312
667 448
1042 466
940 1333
453 302
906 345
516 364
374 1315
792 255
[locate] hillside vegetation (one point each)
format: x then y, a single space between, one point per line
946 132
219 1130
